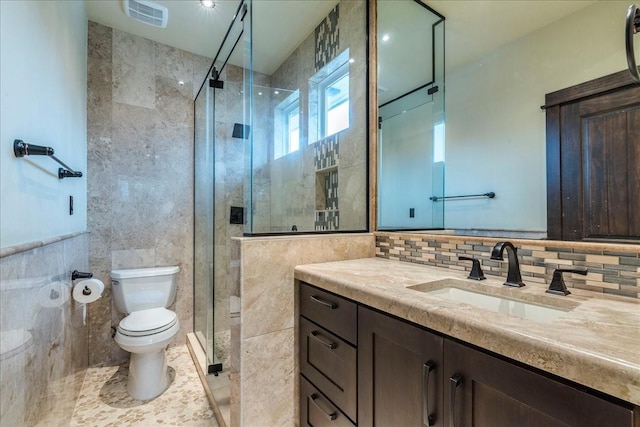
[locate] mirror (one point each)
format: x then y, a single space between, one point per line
501 59
410 115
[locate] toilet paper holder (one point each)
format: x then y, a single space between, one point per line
75 274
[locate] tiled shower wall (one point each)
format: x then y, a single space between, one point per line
43 339
613 269
297 188
140 169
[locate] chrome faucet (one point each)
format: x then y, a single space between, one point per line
513 274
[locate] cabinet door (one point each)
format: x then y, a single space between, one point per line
399 373
484 391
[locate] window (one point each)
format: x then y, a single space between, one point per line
287 126
334 101
329 108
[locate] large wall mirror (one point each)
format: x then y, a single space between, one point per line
501 58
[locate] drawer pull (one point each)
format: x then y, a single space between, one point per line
323 341
330 415
427 418
329 305
456 380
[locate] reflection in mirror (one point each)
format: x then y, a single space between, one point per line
410 115
500 64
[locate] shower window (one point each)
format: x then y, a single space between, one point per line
335 102
287 126
329 104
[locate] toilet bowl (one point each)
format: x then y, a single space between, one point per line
149 327
145 334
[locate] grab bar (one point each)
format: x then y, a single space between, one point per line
632 27
489 195
21 149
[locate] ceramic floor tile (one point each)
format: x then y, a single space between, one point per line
104 400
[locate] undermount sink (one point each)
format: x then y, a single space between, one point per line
496 300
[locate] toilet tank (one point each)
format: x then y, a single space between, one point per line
143 288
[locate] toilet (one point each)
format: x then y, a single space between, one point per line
143 294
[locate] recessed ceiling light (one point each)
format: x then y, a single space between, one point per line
277 92
385 38
351 61
209 4
259 93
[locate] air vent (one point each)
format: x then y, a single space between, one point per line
146 11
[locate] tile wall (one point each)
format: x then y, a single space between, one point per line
140 169
43 338
613 269
266 344
298 195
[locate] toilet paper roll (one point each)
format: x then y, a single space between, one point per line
88 291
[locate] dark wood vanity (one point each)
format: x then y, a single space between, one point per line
360 366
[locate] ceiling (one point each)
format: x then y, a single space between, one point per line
473 28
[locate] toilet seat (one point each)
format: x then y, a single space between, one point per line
147 322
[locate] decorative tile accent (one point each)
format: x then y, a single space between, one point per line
327 39
610 272
327 220
326 152
104 400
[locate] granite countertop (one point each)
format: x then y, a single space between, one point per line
596 343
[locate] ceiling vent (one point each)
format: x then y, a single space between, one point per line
146 11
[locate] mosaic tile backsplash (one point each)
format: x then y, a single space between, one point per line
613 269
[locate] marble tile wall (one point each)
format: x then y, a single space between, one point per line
613 268
140 169
43 340
267 343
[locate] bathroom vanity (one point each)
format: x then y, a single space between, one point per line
389 343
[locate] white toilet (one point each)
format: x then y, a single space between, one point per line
144 294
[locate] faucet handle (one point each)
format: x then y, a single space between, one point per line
557 286
476 270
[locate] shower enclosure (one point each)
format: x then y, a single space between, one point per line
219 146
280 145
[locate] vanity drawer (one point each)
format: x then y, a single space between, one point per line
330 311
318 411
330 364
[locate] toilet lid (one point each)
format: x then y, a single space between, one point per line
147 322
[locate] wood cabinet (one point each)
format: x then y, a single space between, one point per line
399 373
328 360
486 391
409 376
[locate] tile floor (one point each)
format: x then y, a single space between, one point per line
104 400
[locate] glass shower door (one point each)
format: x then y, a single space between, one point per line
203 216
